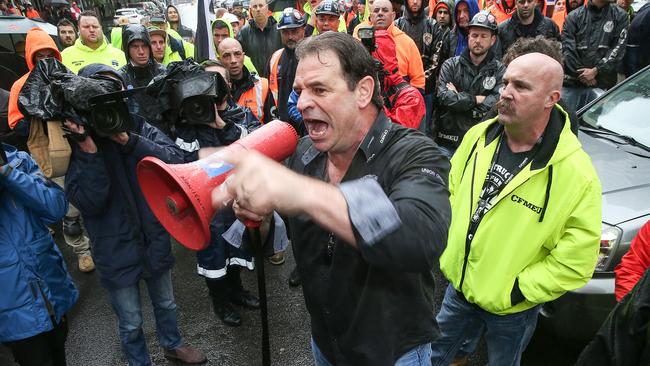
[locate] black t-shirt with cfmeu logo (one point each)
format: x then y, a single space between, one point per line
505 165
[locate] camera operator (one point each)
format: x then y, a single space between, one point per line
129 244
220 263
36 286
403 103
39 46
140 68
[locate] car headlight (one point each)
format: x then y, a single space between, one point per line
610 237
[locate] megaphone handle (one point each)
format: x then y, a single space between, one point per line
256 239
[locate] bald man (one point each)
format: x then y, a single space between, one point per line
248 89
530 231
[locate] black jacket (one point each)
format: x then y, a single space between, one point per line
436 55
128 241
624 337
418 26
459 111
512 29
594 37
139 76
637 55
258 44
183 31
369 306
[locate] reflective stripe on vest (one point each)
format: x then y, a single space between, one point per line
273 75
260 91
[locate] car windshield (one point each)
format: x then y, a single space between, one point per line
125 12
624 110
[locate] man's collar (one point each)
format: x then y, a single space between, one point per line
376 137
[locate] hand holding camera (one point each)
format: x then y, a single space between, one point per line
78 133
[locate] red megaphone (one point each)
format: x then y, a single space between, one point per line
180 195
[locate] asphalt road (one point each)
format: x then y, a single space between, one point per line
93 340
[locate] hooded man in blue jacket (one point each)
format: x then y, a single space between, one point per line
129 244
36 288
464 12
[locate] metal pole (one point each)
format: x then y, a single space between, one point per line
256 240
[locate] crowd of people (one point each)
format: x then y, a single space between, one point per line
434 135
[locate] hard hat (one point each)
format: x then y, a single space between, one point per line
330 7
122 21
484 19
230 18
291 18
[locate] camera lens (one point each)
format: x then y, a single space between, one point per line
110 118
198 110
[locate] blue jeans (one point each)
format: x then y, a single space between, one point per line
128 308
418 356
507 335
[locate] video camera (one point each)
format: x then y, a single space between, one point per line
109 114
194 98
367 36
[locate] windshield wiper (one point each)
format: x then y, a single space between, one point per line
626 140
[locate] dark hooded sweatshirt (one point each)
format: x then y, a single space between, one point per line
458 39
182 30
140 76
418 26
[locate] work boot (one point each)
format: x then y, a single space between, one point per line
72 226
294 277
227 313
186 354
236 292
86 263
277 259
220 304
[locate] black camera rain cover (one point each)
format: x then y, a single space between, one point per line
162 86
53 92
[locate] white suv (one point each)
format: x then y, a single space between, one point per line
132 14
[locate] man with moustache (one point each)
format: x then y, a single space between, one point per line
67 33
526 222
468 85
527 21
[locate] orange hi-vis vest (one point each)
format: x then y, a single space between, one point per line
255 97
273 74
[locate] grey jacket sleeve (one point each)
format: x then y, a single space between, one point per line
408 231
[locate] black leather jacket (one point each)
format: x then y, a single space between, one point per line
258 44
512 29
594 37
459 111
